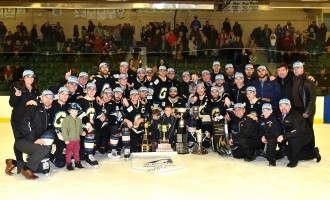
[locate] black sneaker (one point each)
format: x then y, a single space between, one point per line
317 154
292 164
78 165
69 167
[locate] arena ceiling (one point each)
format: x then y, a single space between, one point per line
159 4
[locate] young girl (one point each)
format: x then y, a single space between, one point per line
71 130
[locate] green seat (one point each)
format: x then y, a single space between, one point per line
3 86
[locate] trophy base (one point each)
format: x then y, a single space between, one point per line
200 151
164 147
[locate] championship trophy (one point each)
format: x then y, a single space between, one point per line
146 145
164 145
195 112
181 136
199 149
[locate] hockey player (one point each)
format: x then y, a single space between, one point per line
133 119
125 86
172 81
160 86
184 86
88 114
270 129
57 113
174 100
82 80
238 91
200 118
140 79
115 117
146 104
253 105
104 79
124 69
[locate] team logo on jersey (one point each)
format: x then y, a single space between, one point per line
58 119
138 116
162 93
215 113
90 113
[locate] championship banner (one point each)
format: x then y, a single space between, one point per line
157 162
91 14
112 14
253 6
245 7
236 6
9 13
100 14
20 10
1 13
57 12
120 14
80 13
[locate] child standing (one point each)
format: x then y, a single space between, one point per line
71 130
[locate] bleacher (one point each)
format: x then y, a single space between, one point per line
49 67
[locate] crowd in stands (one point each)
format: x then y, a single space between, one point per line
193 42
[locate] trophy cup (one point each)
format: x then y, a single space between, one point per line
199 150
164 145
146 145
181 136
195 112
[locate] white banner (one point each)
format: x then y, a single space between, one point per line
120 14
1 13
245 7
57 12
253 6
236 6
80 13
20 10
10 13
91 14
100 14
112 14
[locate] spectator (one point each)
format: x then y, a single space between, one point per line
196 23
99 30
34 33
59 37
84 32
75 33
91 27
8 75
98 44
322 33
279 31
183 28
46 31
237 30
3 32
213 38
322 82
226 25
265 36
